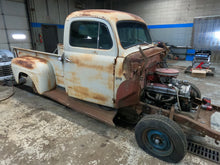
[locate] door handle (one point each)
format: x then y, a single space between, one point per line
62 58
67 59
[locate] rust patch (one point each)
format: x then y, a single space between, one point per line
135 67
128 93
86 62
135 17
47 57
135 64
98 10
20 54
74 78
83 57
119 67
60 45
82 106
57 67
24 63
28 61
120 72
49 84
83 92
110 15
60 80
39 59
110 82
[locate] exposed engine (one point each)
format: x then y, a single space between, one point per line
168 91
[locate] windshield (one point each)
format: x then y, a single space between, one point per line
133 33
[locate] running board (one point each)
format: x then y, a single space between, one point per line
89 109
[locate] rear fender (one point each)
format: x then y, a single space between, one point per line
39 70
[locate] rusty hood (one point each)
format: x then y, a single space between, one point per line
142 61
136 67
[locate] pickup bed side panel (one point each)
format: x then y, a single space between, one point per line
39 70
51 58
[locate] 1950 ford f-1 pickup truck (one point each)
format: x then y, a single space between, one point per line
109 69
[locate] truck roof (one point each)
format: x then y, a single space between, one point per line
109 15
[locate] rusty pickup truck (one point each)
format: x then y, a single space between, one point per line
109 69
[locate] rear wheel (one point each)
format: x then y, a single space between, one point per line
161 137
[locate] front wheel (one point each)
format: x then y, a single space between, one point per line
161 137
195 92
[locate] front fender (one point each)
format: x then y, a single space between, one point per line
39 70
128 94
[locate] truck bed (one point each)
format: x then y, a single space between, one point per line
51 57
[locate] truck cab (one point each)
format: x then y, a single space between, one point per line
98 59
96 43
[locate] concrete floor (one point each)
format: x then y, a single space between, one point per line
36 131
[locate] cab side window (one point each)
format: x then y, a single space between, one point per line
90 34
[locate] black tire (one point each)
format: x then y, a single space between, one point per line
161 137
22 81
195 93
195 90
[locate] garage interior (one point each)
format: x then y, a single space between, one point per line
37 130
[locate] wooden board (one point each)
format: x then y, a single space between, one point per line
199 73
209 72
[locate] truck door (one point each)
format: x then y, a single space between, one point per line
89 54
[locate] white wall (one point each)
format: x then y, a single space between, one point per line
16 21
54 14
157 12
160 12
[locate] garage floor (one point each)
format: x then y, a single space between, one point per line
35 130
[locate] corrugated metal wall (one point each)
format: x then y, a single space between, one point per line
13 20
170 20
48 12
206 33
54 12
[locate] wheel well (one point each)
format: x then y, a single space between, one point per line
21 74
24 78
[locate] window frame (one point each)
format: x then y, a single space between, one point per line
113 52
134 22
87 23
99 21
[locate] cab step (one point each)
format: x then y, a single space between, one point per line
89 109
